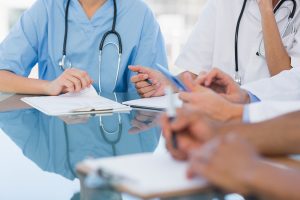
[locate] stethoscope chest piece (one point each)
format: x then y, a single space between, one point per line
238 78
65 63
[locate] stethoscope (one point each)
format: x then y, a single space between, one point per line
237 77
65 63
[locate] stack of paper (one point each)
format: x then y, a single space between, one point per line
86 101
156 103
147 175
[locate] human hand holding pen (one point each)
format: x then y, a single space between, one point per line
149 82
192 131
226 161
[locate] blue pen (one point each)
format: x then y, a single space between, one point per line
176 81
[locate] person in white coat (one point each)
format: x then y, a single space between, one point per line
263 45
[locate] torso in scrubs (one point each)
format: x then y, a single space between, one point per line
38 39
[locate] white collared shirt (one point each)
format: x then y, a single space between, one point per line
211 44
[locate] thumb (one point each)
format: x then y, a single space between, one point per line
191 84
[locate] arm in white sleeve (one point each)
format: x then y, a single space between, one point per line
266 110
282 87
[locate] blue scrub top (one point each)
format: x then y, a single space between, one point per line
38 38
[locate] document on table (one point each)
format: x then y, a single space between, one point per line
146 175
84 102
155 103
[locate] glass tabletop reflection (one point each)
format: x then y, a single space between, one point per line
39 153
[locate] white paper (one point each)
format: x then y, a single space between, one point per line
154 102
148 173
85 100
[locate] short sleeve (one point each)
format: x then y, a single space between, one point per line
19 50
151 49
197 54
294 48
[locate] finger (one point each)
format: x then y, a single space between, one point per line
186 97
149 94
165 124
181 121
140 69
195 169
142 84
146 89
214 75
70 87
191 84
139 77
76 82
82 76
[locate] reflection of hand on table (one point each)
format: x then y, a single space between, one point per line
143 120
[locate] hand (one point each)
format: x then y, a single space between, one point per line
72 80
228 162
209 103
192 131
146 89
224 85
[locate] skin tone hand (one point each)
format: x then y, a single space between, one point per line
72 80
224 85
276 55
144 87
228 162
209 103
192 131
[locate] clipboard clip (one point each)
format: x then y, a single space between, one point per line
92 110
102 179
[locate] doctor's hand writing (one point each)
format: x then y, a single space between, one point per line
192 131
149 82
207 102
224 85
72 80
228 162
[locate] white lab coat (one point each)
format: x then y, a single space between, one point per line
282 87
211 44
270 109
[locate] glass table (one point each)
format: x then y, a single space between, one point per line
39 153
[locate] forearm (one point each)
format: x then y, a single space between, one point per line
279 136
274 182
12 83
276 55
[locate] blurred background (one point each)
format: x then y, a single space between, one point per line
176 18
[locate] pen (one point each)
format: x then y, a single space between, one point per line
171 113
176 81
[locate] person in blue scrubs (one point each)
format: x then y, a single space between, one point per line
38 38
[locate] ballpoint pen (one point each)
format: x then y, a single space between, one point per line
171 113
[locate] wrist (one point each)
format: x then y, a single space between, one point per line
234 112
252 178
45 87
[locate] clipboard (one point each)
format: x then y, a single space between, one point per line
145 176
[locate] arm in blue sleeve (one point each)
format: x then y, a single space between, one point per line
246 114
253 98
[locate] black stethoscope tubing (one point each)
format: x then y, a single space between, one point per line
101 45
291 16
